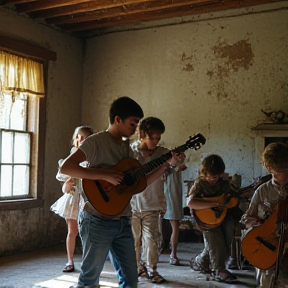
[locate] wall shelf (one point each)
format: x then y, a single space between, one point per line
270 126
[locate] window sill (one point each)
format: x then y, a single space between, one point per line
20 204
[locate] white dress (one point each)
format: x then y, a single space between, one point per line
67 206
173 194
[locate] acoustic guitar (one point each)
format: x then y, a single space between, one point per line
261 244
110 200
213 217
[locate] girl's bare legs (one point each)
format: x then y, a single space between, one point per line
174 238
71 239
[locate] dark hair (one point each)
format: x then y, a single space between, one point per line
275 156
124 107
150 125
212 164
84 128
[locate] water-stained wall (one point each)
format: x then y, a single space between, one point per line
210 74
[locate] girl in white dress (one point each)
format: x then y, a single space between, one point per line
71 202
174 210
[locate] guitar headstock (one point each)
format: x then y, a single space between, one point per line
195 142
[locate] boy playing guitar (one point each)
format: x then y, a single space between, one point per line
266 218
211 193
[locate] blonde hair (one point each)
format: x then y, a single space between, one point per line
84 128
275 156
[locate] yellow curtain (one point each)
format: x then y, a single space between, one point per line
21 74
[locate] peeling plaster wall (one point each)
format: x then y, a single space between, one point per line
210 74
34 228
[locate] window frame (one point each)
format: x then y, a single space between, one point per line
15 164
37 127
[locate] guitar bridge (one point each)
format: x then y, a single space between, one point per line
266 243
101 190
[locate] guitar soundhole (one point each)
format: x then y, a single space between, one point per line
128 179
218 211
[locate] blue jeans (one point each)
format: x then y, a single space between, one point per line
121 278
98 236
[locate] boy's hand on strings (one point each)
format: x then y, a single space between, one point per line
180 157
251 221
219 203
113 176
211 203
176 158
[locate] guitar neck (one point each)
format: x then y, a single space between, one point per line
149 166
132 176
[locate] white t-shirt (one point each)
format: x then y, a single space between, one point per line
152 198
102 150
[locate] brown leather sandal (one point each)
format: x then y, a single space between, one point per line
223 276
69 268
198 267
174 261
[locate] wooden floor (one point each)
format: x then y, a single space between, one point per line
44 269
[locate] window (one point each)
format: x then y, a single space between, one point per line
15 143
21 91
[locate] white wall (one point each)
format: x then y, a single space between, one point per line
210 74
32 228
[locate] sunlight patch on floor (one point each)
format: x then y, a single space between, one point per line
66 281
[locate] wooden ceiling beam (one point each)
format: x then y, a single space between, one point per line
50 4
157 15
84 15
130 9
84 7
46 4
134 18
14 2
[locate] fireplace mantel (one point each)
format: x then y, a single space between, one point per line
270 126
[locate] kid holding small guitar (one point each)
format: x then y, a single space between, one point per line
209 193
149 206
267 216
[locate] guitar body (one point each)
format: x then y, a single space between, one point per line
115 198
214 216
260 245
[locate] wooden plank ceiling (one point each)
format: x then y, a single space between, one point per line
82 16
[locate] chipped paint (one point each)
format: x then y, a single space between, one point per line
187 62
236 56
229 59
